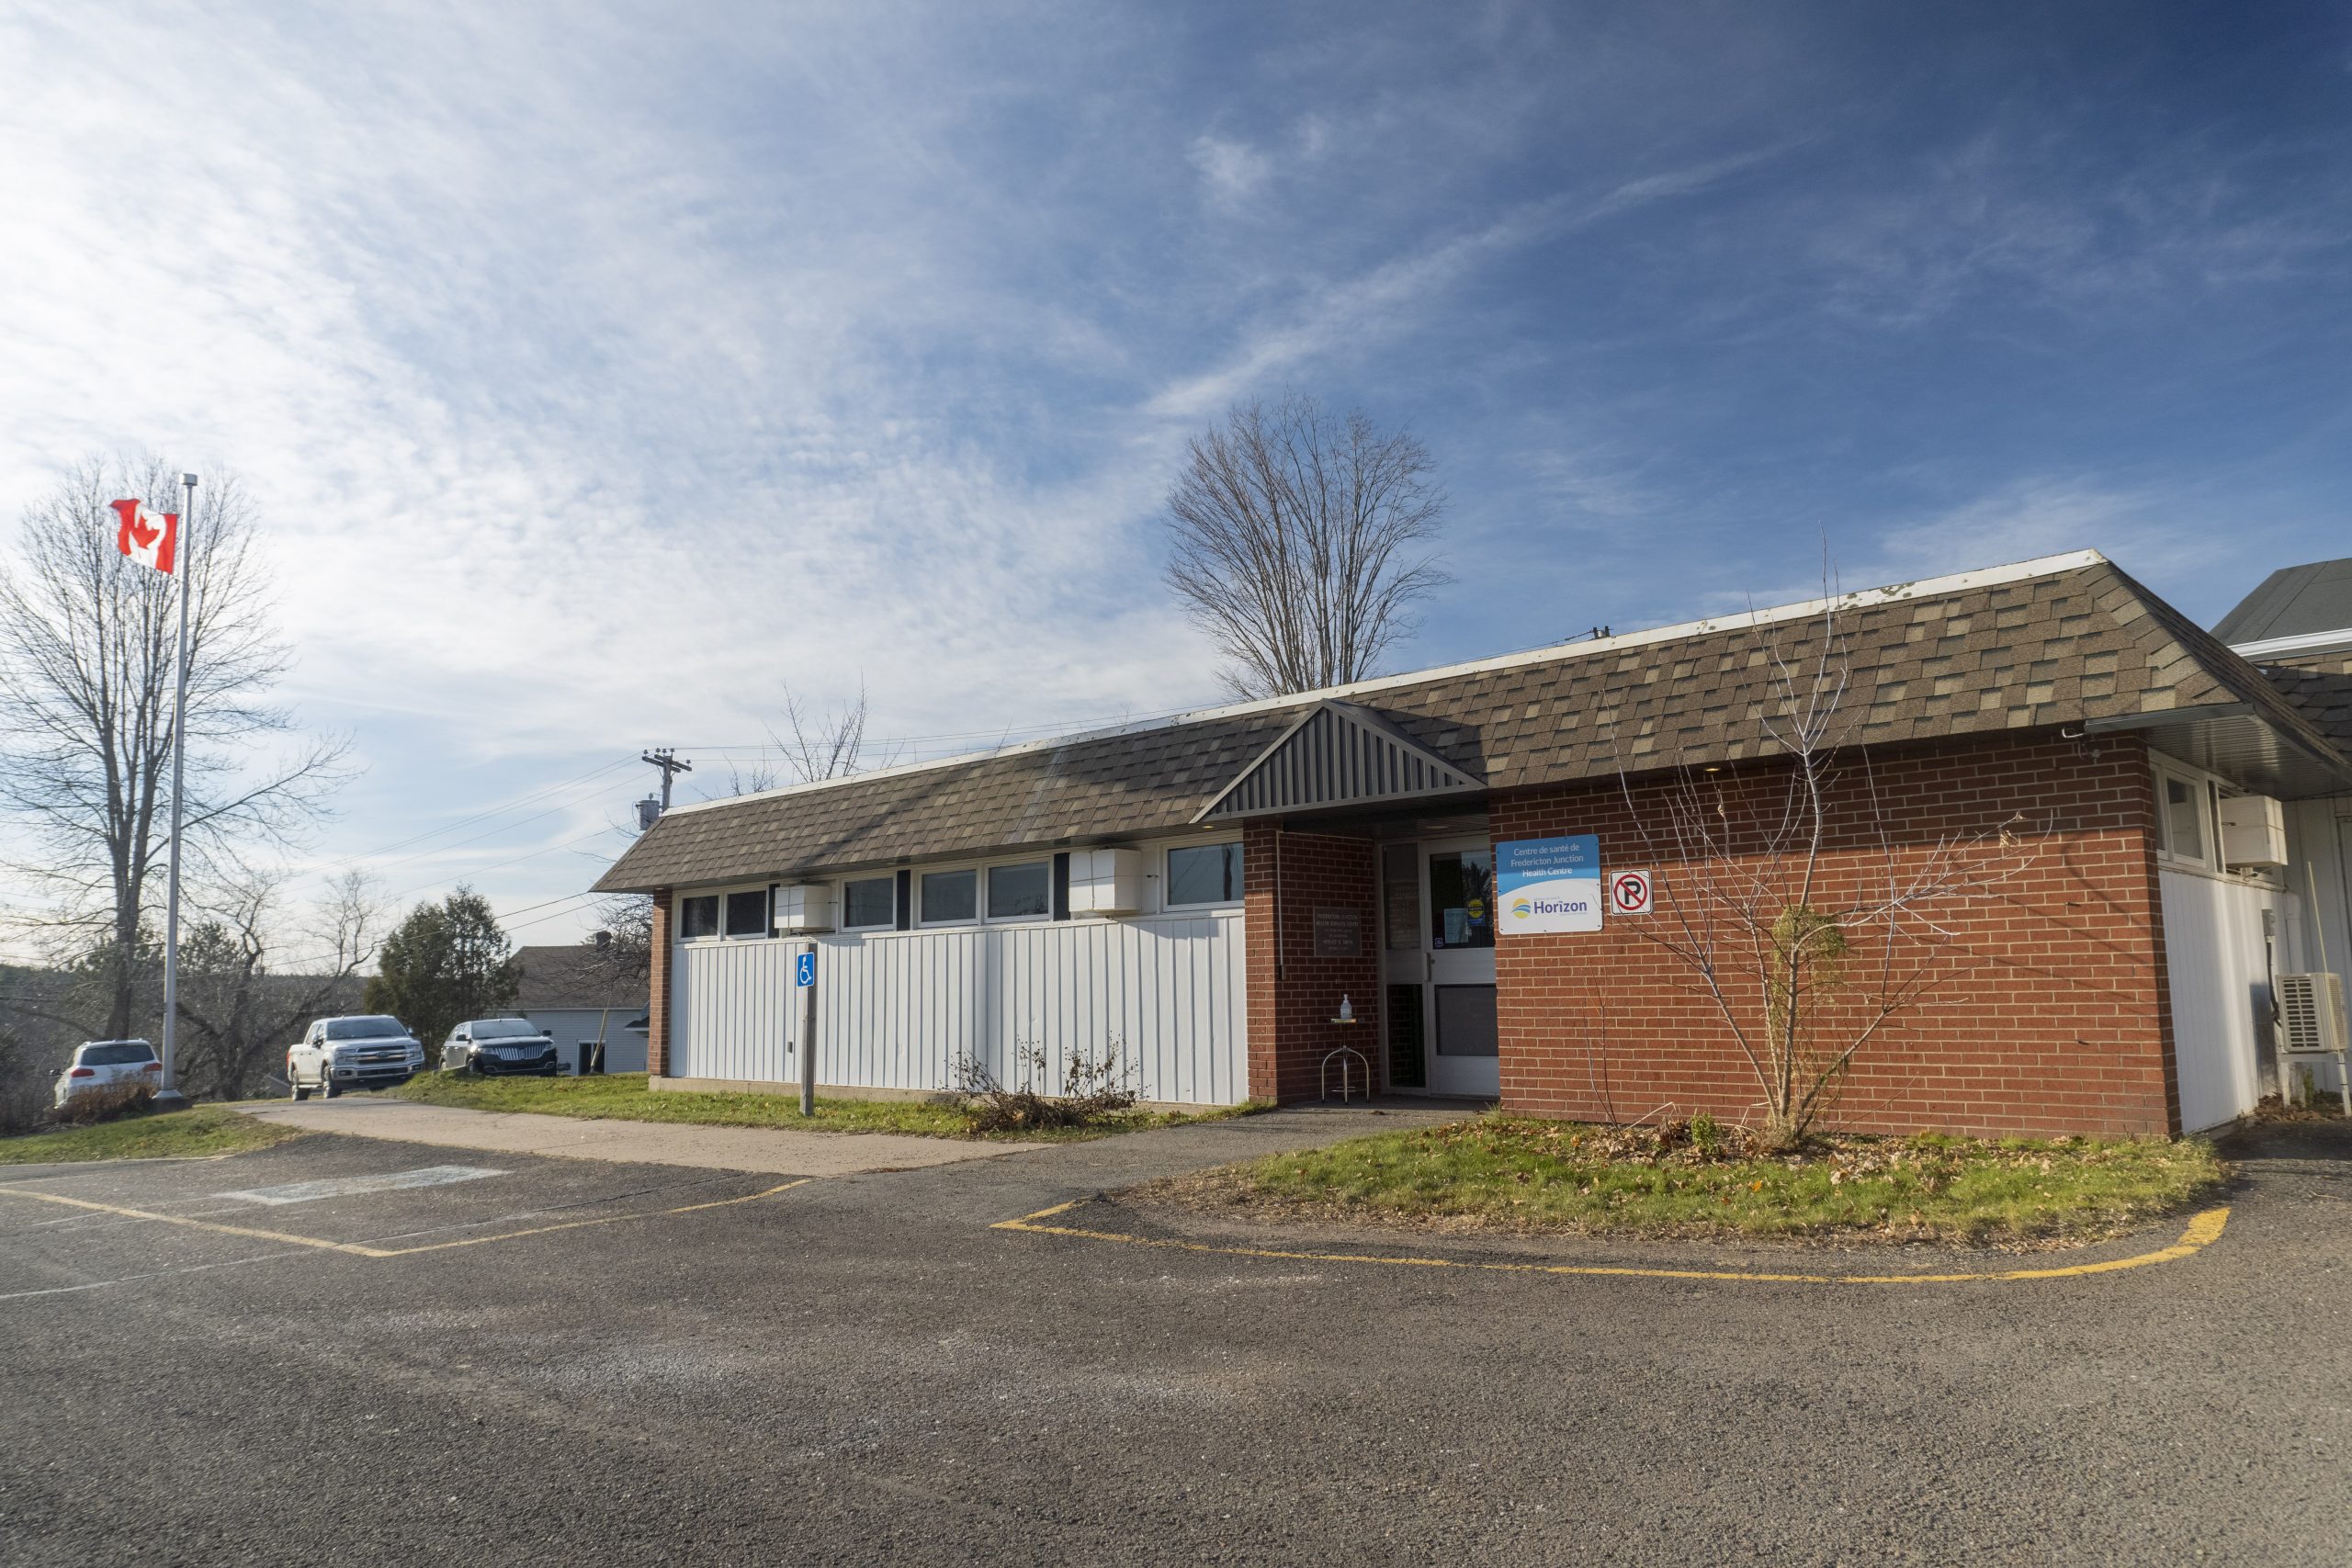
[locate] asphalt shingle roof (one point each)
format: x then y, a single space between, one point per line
2078 642
578 976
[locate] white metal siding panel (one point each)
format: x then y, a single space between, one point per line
730 1015
901 1011
2220 991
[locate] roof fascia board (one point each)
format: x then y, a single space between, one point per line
2305 642
1860 599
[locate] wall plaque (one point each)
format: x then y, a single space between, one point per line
1338 933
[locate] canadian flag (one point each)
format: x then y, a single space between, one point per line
149 538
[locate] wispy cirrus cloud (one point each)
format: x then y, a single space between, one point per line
602 379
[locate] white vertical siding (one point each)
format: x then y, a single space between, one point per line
2319 851
2221 990
729 1010
900 1009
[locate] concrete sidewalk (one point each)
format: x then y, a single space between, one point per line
780 1151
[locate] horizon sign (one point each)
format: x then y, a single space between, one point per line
1548 885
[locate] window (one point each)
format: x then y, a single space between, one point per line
1400 905
375 1027
2183 818
949 895
1462 902
869 902
698 916
1021 892
119 1054
747 913
1204 874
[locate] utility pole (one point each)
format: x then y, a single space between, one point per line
666 759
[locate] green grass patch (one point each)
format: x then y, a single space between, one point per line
625 1097
1524 1175
148 1134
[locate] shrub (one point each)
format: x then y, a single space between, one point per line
104 1104
1094 1090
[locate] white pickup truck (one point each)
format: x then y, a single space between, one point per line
361 1051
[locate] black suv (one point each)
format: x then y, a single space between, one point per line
485 1046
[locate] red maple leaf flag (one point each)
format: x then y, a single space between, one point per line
150 538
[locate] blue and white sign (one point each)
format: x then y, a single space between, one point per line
804 968
1548 885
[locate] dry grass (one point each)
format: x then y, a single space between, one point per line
147 1134
626 1097
1513 1174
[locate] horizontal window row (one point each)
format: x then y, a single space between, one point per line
1197 875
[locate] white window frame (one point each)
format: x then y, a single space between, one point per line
766 890
923 920
1168 875
2208 788
841 901
718 923
989 871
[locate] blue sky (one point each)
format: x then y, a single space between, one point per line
603 369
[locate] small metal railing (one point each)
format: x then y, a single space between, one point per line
1343 1053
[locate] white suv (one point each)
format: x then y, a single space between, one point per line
103 1064
365 1051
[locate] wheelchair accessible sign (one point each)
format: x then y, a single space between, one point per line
1548 885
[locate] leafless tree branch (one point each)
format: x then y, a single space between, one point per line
1292 537
87 666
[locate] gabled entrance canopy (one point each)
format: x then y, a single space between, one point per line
1337 754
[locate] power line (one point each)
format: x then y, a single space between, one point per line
478 837
494 810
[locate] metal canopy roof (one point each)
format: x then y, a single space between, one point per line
2232 740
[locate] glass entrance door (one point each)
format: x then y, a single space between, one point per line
1437 966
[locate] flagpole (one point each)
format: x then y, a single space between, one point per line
182 561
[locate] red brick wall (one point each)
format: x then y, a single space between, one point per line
2048 1012
1290 1016
657 1012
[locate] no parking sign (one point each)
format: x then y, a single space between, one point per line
1629 893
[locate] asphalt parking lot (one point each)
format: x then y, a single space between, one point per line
345 1351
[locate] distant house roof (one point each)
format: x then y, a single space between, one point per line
579 976
2293 602
2066 641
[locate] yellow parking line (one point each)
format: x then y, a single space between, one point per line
360 1249
2204 1228
351 1247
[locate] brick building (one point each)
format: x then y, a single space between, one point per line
2091 833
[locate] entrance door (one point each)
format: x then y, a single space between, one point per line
1438 963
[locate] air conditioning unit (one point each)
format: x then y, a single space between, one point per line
804 907
2310 1014
2253 831
1106 882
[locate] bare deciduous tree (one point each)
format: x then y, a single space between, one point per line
86 648
1787 895
1293 539
626 957
239 1012
828 746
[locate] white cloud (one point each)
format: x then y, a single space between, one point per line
1232 172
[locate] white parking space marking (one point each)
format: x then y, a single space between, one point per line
344 1185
